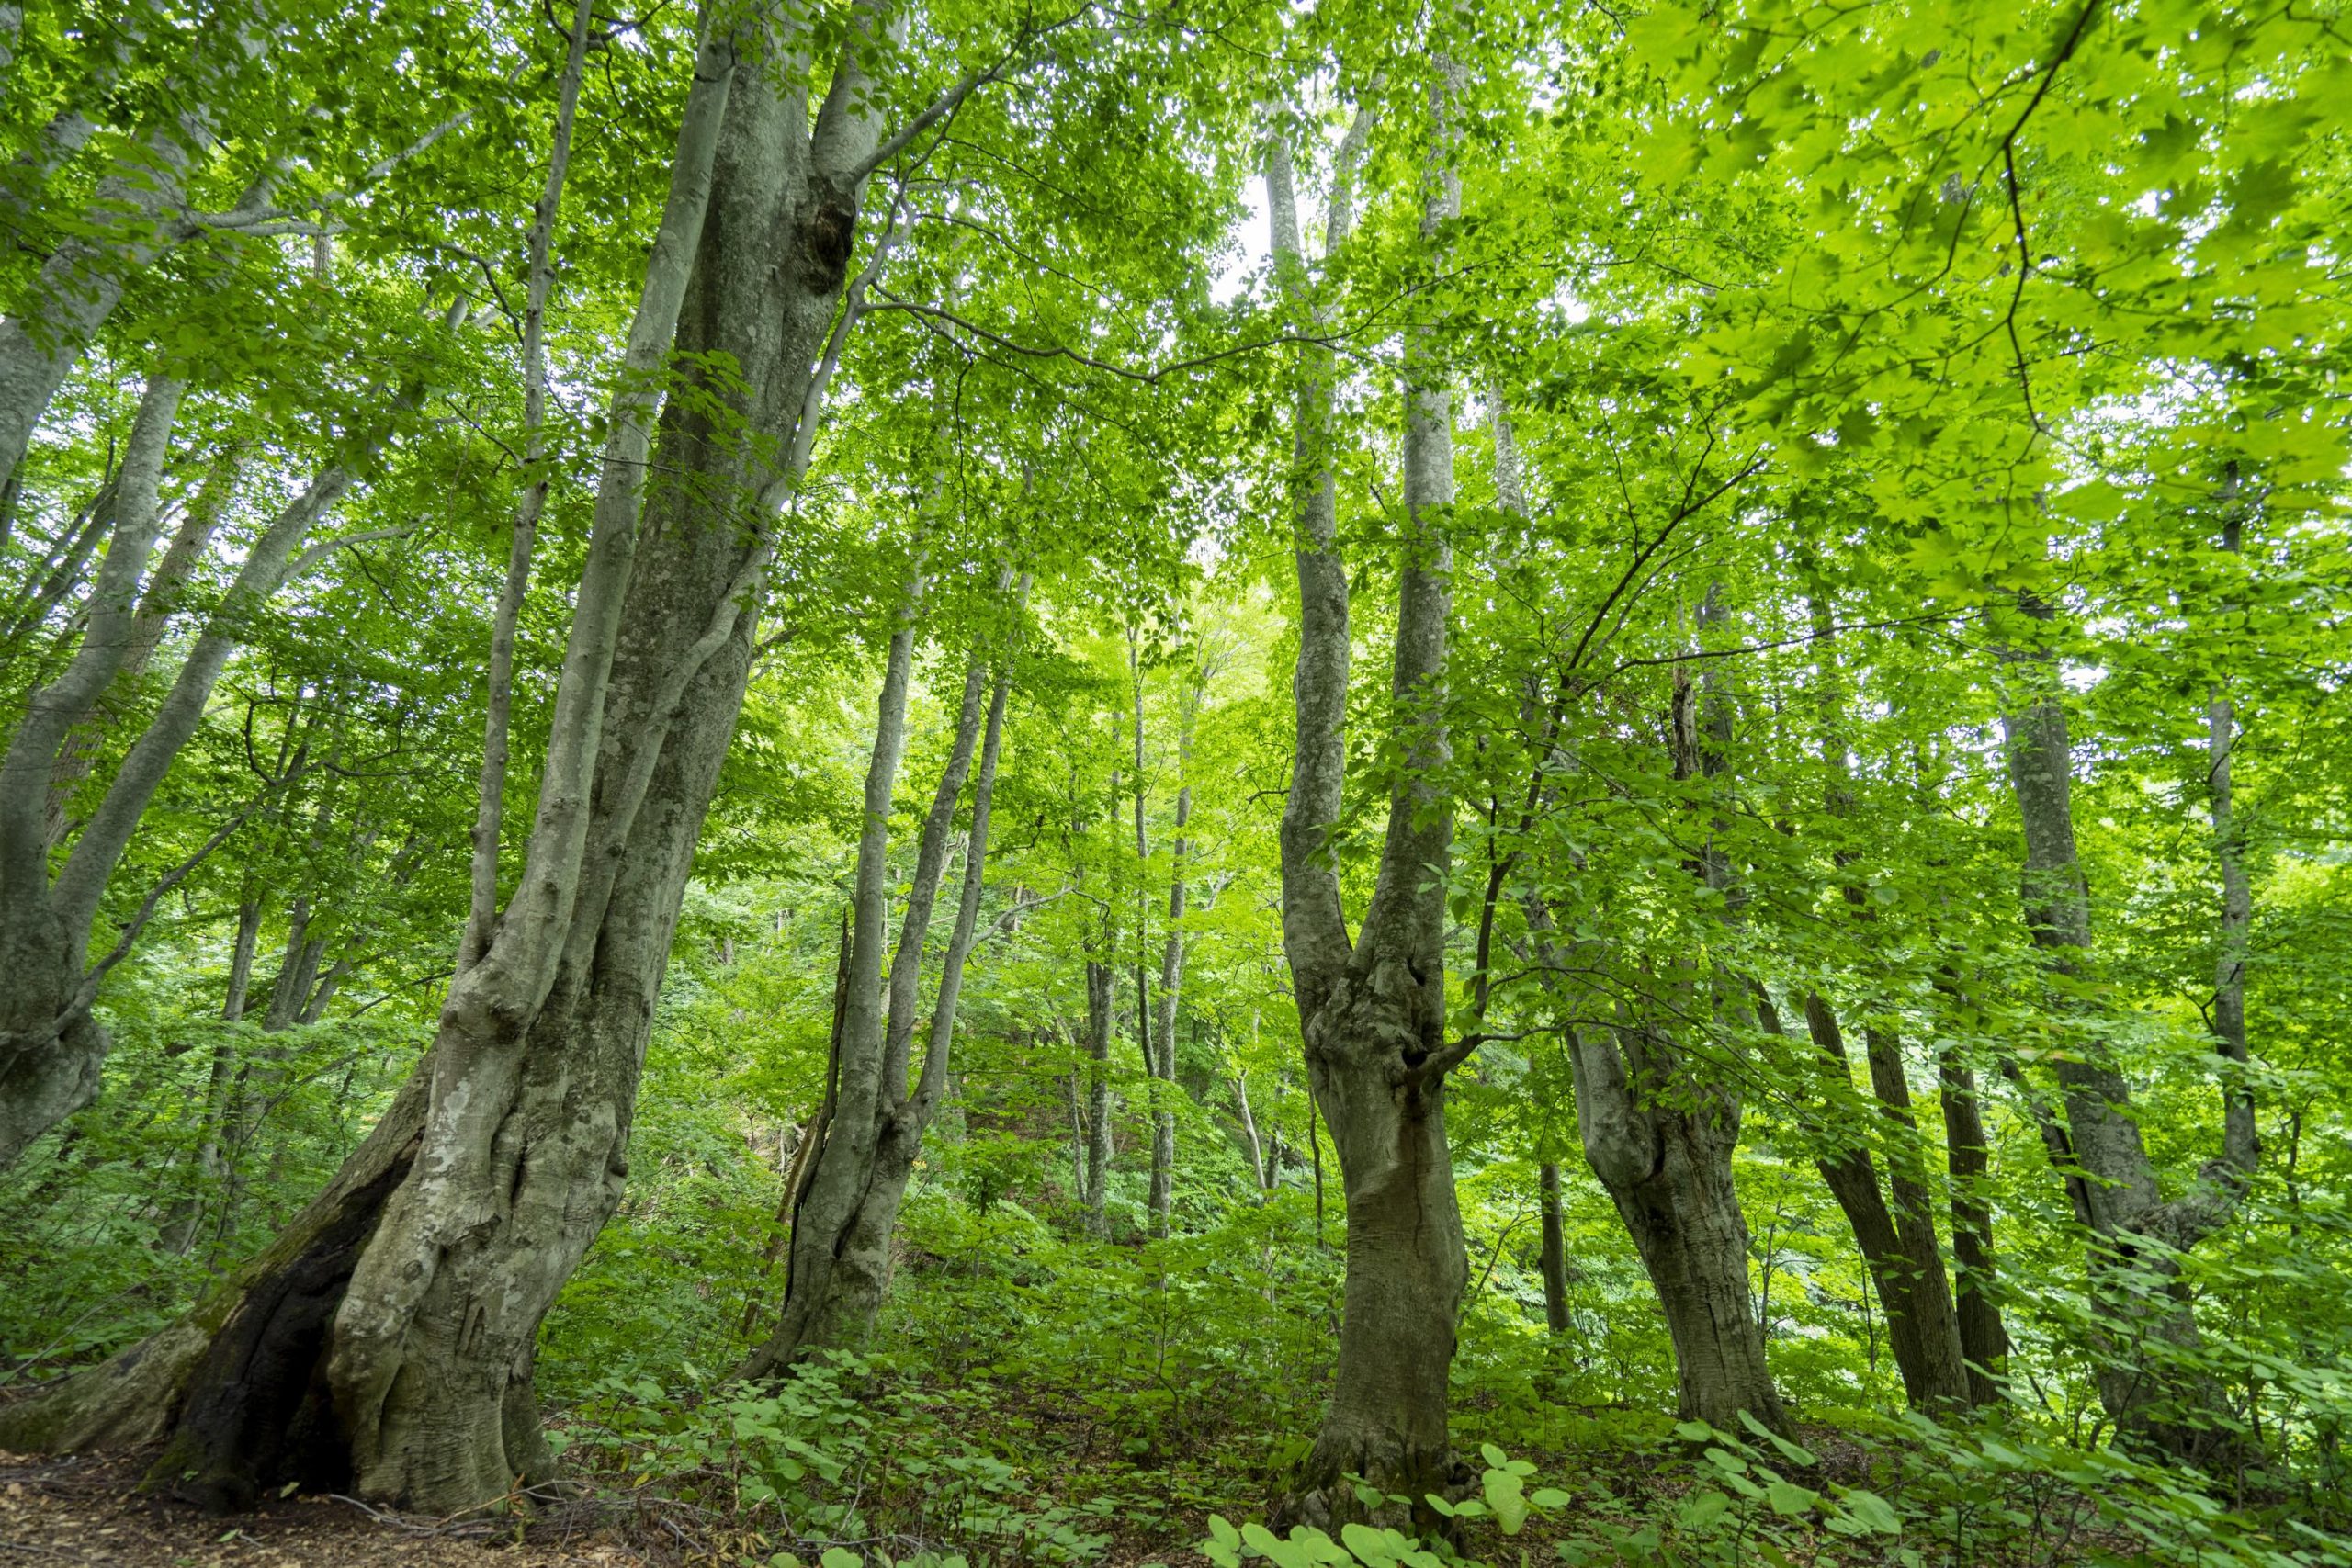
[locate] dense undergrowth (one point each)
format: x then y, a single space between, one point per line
1038 1394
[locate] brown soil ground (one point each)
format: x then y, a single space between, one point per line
85 1511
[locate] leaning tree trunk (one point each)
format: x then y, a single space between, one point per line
50 1049
1660 1138
1372 1009
519 1118
1898 1241
2149 1326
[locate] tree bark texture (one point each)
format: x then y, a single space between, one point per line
1372 1009
523 1107
840 1234
1660 1138
2136 1233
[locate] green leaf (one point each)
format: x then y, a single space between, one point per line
1872 1510
1703 1507
1787 1497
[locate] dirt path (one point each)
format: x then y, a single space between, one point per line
85 1511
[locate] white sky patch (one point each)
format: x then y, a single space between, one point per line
1255 244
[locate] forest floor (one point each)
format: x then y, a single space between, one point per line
87 1510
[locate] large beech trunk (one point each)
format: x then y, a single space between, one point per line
1372 1009
1660 1138
2136 1234
416 1328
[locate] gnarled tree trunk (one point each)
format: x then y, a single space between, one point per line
518 1121
1372 1009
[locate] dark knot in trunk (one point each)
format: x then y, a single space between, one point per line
828 233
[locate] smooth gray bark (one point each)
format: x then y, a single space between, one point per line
1372 1009
50 1049
2136 1233
490 788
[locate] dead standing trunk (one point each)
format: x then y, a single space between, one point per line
1373 1010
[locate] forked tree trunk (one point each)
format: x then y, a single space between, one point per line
50 1048
840 1253
1898 1241
1372 1009
2136 1235
516 1126
1659 1129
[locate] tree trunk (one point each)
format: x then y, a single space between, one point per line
1373 1010
1898 1243
50 1049
418 1329
1172 969
2136 1234
1660 1138
499 689
1555 1250
1983 1339
840 1234
1102 982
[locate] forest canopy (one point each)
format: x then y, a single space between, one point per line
889 782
